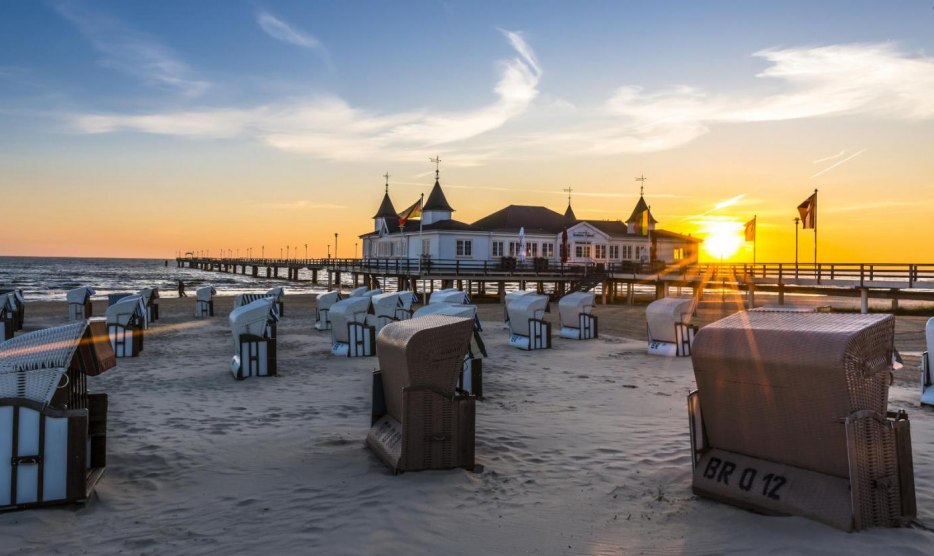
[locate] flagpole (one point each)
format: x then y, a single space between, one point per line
797 221
755 239
814 221
421 245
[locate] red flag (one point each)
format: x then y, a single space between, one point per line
751 229
414 211
808 212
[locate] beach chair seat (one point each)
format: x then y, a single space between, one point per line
527 328
126 320
471 379
79 303
927 373
150 295
668 323
253 327
204 301
53 433
420 420
352 335
323 305
790 418
576 318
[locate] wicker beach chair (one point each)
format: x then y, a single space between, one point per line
17 301
52 432
351 334
420 420
150 295
527 328
204 301
7 316
790 417
576 318
449 295
927 372
126 320
323 305
358 292
471 380
384 307
510 297
406 300
253 327
668 322
79 303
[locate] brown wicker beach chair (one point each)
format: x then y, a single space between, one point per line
420 420
790 417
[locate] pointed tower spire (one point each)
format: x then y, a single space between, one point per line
642 214
569 215
436 206
386 210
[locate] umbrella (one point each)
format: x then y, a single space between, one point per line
564 246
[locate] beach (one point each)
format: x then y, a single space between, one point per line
584 450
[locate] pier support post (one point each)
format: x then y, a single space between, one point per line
501 291
629 292
329 281
894 300
661 289
606 286
751 288
864 300
314 277
781 294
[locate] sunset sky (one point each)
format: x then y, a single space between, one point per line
138 129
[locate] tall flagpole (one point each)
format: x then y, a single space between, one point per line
814 221
755 238
421 246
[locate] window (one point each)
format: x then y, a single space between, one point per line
599 251
426 246
582 251
531 249
679 253
383 249
614 251
627 252
497 248
513 248
464 248
548 250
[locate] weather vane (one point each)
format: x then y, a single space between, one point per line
568 189
437 161
387 175
642 179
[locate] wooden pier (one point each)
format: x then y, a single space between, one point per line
613 281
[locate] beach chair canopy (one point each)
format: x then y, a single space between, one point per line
32 364
16 295
422 353
449 309
345 311
662 314
79 295
148 295
385 304
778 386
357 292
929 337
125 309
572 305
276 293
371 293
326 300
449 295
525 307
204 293
407 298
7 303
253 318
511 296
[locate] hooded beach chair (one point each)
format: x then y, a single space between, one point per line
79 303
927 372
406 300
7 316
471 380
384 307
420 420
790 418
126 320
204 301
351 334
358 292
150 295
510 297
53 433
253 327
527 328
668 321
278 294
17 301
576 318
449 295
323 305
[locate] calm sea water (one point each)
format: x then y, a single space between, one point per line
48 279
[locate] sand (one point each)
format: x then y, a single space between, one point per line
585 450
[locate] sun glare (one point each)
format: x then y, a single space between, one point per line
722 239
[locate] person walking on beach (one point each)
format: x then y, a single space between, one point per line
181 289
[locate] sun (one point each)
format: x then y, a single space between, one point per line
722 238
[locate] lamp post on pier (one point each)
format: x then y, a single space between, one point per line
329 250
335 245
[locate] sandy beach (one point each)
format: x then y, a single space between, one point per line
584 448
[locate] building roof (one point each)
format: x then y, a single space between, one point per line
412 226
436 199
636 216
513 217
386 210
569 216
673 235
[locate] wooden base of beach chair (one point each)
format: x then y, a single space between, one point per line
471 380
50 456
681 347
204 309
586 329
9 328
79 311
321 319
361 341
257 357
125 341
539 336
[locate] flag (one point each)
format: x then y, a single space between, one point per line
808 212
414 211
751 229
645 223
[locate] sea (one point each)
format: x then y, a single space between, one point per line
48 278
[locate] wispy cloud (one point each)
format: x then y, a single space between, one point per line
829 158
134 52
328 127
839 162
282 31
301 204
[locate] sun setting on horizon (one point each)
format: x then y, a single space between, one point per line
722 239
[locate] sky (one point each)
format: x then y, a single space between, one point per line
144 129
